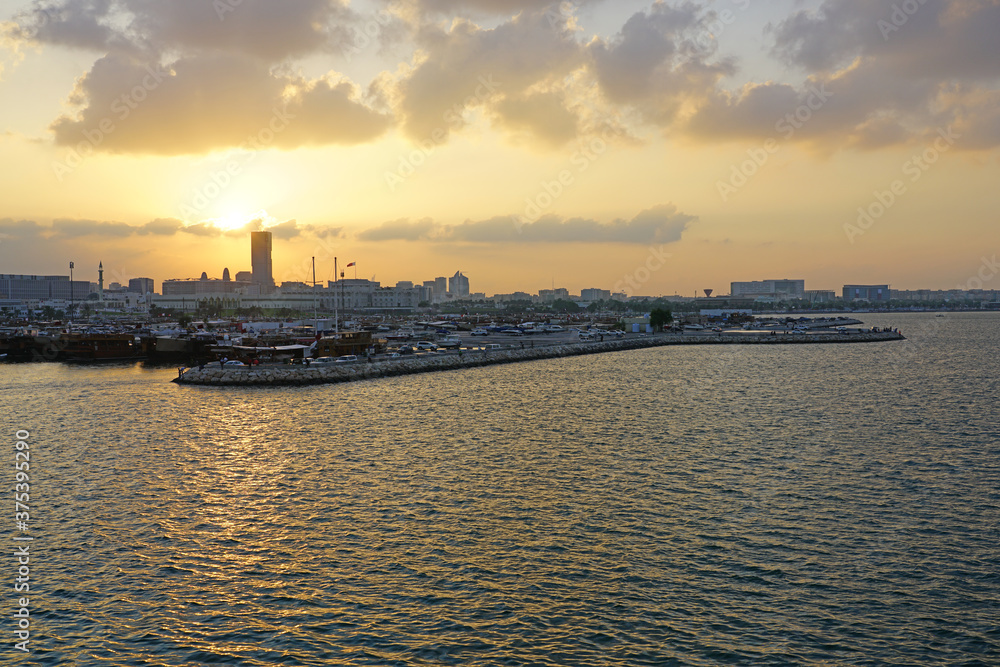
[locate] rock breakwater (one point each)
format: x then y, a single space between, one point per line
305 375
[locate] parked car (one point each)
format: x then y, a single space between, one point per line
235 362
323 360
346 359
426 345
480 332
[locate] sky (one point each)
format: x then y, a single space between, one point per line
656 148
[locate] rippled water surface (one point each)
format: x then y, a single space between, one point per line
800 505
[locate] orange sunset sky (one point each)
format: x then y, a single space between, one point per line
526 143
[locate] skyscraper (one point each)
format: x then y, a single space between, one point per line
458 285
260 260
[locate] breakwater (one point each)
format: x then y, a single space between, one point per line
304 375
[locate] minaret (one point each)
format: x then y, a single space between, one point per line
100 281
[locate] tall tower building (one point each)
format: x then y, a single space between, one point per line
100 281
458 285
260 261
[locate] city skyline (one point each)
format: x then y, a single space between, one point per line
712 140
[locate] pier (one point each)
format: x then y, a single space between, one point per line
294 375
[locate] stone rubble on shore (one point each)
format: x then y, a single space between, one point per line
212 374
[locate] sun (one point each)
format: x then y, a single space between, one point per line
234 220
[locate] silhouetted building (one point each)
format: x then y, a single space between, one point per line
595 294
777 289
866 292
225 275
458 285
141 285
260 260
31 288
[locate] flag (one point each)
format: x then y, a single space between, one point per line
350 265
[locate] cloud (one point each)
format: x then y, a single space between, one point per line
161 227
542 116
205 103
201 229
891 77
661 61
660 224
271 31
285 230
399 230
501 7
74 229
465 67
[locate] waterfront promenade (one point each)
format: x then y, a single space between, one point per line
213 374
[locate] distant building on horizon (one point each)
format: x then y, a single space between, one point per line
820 295
458 285
440 289
774 289
141 285
866 292
260 261
547 295
594 294
36 288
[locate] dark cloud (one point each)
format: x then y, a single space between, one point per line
467 67
399 230
204 103
19 228
285 230
661 224
501 7
227 76
201 229
72 229
661 60
265 29
892 77
161 227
